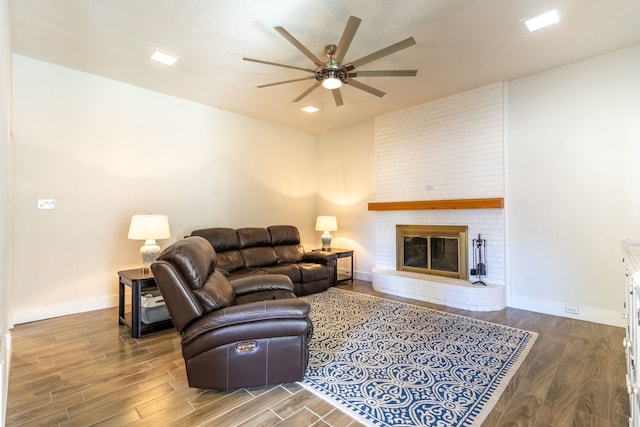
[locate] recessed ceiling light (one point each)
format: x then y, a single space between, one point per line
310 109
164 57
542 21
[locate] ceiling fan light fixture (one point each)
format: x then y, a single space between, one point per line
331 82
331 78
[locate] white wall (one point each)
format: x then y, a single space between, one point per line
106 150
573 188
5 204
345 187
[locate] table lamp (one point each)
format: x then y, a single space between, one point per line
326 224
149 228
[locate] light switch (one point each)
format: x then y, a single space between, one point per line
46 203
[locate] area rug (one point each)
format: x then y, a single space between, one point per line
388 363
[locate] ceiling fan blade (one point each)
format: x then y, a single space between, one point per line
384 73
284 82
307 92
337 97
381 53
259 61
347 37
299 46
366 88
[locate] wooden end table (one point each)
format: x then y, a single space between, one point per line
138 281
341 253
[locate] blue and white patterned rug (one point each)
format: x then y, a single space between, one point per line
388 363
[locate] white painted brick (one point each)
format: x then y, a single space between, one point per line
454 147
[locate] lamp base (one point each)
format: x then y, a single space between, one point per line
149 253
326 241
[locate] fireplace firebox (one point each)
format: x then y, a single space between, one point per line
439 250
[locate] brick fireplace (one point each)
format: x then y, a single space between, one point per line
427 156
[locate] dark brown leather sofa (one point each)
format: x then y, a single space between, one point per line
248 332
276 249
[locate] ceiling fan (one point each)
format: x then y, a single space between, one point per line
333 73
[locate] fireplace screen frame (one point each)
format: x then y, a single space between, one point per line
459 232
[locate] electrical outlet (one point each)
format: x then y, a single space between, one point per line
571 309
47 204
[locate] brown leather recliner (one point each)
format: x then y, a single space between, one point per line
248 332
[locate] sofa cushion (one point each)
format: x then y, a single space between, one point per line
255 247
289 253
249 237
230 261
290 270
312 272
216 293
258 256
194 257
286 243
284 235
226 244
246 272
222 239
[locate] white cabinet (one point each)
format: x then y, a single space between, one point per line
631 259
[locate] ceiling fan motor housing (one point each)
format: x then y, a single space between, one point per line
322 74
332 69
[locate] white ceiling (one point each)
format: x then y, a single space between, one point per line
461 44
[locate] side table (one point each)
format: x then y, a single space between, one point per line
138 281
341 253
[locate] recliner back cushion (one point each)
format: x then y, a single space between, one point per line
250 237
222 239
255 247
193 257
230 261
225 242
258 257
289 253
216 293
286 243
284 235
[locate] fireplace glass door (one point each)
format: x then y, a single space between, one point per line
444 254
432 250
431 253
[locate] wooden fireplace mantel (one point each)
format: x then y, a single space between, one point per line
488 203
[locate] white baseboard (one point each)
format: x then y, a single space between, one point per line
363 276
31 314
588 314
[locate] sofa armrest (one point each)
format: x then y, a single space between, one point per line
319 257
266 282
251 313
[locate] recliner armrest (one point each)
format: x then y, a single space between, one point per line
266 282
319 257
250 313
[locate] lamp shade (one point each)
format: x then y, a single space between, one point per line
326 223
149 227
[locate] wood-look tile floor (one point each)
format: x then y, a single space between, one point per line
84 369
